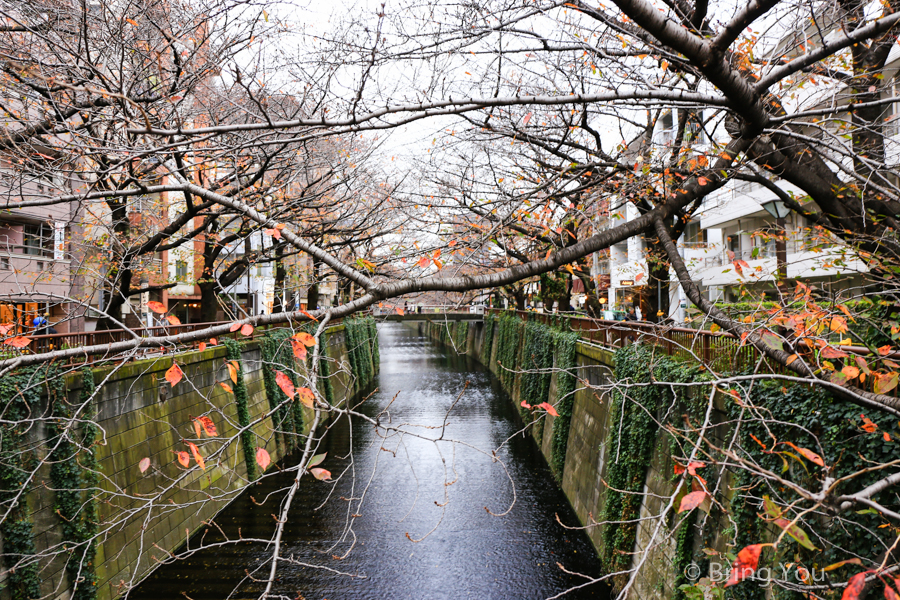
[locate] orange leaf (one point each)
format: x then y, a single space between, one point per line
233 371
198 433
855 586
208 426
173 320
438 264
262 458
157 307
525 405
702 180
6 327
308 315
839 325
829 352
285 383
807 454
226 387
320 474
790 359
424 262
398 310
144 464
17 342
299 349
306 397
692 501
234 327
639 277
214 341
838 565
184 458
745 565
174 374
850 372
436 253
307 339
550 410
202 346
884 350
868 425
886 382
247 329
886 436
679 469
197 456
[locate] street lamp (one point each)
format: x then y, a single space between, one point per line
778 209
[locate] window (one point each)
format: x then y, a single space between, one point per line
37 240
181 272
694 236
4 263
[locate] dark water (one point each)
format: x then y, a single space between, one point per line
394 482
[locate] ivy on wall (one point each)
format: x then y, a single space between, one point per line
565 342
233 349
277 355
631 442
488 338
20 396
73 473
361 336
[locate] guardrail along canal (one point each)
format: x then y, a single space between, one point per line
393 484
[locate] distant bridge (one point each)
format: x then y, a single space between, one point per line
429 313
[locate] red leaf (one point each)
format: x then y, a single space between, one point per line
174 374
306 397
17 342
247 329
157 307
208 426
639 277
868 425
197 456
424 262
320 474
308 315
855 586
173 320
214 341
524 122
184 458
234 327
679 469
262 458
691 501
526 405
299 349
144 464
693 466
550 410
807 454
285 383
884 350
202 346
307 339
745 565
275 233
6 327
890 594
702 180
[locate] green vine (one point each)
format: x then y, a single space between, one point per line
73 472
487 341
361 337
565 343
20 395
233 349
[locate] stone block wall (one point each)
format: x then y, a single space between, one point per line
145 516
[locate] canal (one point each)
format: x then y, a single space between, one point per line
359 536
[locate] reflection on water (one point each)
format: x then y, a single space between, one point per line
395 484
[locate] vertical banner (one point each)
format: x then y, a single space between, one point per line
59 240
